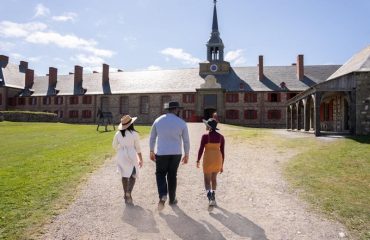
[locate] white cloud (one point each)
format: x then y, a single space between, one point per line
17 56
153 68
34 59
12 29
236 57
90 60
180 54
34 32
41 10
68 16
6 46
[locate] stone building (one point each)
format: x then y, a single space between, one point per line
253 96
340 104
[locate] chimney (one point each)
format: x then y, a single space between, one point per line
30 74
300 67
105 74
53 76
78 76
23 65
4 58
260 68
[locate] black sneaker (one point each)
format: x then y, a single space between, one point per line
209 196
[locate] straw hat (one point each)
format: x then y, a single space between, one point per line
126 121
211 123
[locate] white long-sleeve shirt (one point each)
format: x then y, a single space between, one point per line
169 132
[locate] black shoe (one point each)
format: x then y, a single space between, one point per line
209 196
174 202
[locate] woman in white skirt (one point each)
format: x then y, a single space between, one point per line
127 143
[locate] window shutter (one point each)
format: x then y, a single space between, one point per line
278 97
269 97
269 115
237 97
254 97
184 98
255 114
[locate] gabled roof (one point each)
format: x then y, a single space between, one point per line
188 80
172 81
11 75
360 62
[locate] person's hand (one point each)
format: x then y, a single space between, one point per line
152 156
185 159
198 164
141 163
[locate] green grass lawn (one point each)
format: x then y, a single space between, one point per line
41 165
333 175
335 178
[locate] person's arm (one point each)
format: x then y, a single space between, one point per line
222 148
138 148
152 140
186 141
115 142
201 149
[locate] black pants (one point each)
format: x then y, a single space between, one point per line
166 166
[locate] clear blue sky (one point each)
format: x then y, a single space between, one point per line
170 34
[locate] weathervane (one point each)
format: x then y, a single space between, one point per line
215 1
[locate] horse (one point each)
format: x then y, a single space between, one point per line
104 119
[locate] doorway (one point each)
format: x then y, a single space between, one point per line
208 113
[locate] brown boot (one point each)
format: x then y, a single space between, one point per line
125 184
131 185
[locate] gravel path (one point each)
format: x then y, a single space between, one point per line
254 202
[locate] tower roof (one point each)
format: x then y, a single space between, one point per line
215 21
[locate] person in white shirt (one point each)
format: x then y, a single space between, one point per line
129 159
169 132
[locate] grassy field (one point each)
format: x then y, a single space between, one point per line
41 165
335 178
332 174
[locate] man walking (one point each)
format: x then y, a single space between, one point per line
169 131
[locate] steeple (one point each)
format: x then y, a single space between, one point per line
215 64
215 46
215 21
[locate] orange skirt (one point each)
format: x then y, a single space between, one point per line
212 159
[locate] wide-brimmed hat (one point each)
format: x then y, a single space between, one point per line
171 105
211 123
126 121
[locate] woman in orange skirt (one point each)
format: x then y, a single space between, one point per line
213 145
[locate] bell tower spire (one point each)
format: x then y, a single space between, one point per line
215 46
215 50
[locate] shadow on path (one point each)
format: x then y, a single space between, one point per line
239 224
142 220
188 229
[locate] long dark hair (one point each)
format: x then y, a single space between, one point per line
130 128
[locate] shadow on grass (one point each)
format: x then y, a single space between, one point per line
360 139
239 224
187 228
139 218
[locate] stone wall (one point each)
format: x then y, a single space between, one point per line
113 104
3 98
19 116
363 103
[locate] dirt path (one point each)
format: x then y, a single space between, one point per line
254 203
